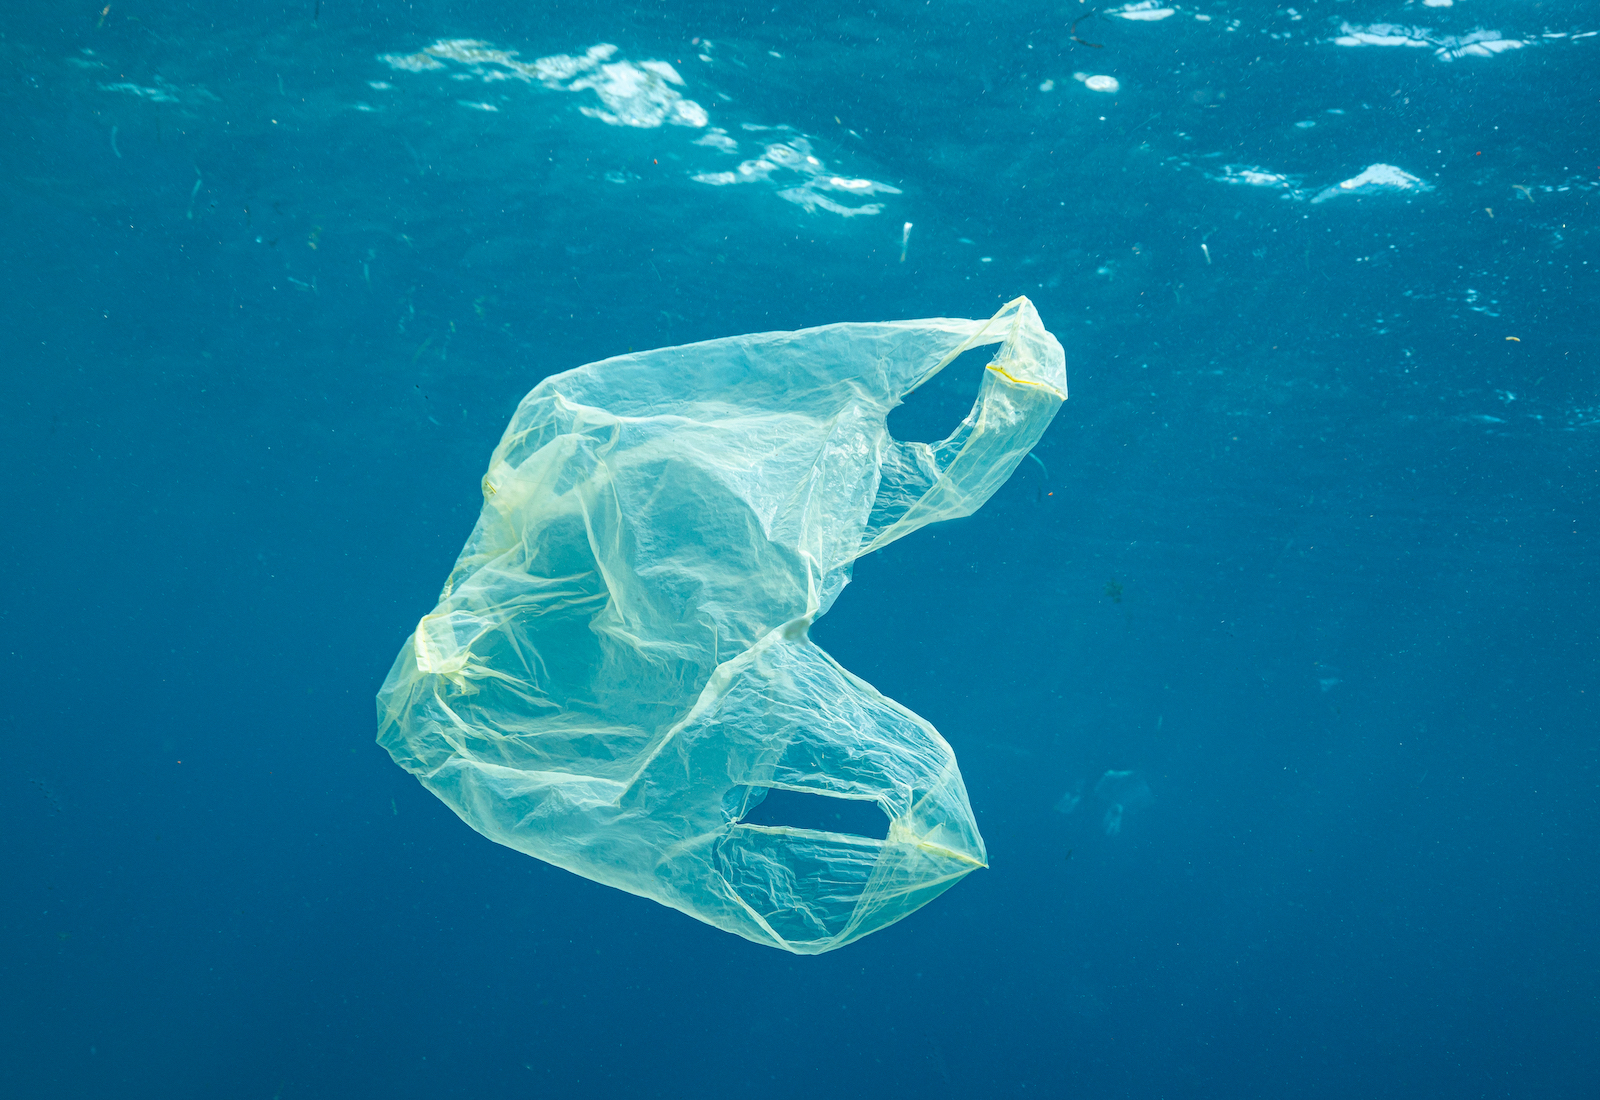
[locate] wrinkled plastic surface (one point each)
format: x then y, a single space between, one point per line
618 669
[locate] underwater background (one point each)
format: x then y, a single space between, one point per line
1273 680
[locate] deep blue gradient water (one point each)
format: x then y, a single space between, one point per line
1310 550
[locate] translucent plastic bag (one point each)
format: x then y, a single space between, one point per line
618 669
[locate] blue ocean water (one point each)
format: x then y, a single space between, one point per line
1273 680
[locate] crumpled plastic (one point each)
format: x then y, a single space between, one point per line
618 669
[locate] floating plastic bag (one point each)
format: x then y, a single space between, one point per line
618 669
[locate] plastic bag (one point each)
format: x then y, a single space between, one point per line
619 670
